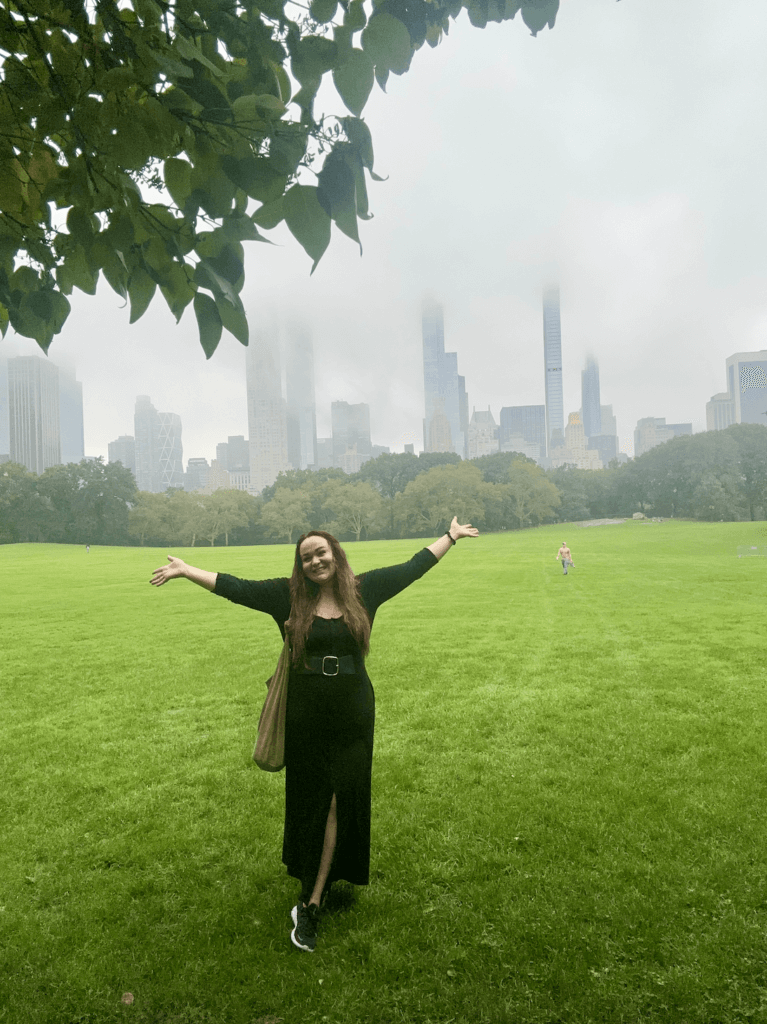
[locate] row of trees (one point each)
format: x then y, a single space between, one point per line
713 476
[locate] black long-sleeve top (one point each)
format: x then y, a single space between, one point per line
376 586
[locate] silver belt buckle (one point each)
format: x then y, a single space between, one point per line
331 657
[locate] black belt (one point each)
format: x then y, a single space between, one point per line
330 665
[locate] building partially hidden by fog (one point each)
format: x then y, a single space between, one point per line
351 435
523 429
233 455
123 450
159 450
653 430
41 412
71 427
446 405
745 400
482 434
267 411
591 410
299 393
552 358
34 425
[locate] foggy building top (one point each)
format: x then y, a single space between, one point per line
552 358
446 405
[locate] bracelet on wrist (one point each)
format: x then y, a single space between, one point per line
452 538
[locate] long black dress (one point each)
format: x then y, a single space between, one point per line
329 727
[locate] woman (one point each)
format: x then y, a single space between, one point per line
328 614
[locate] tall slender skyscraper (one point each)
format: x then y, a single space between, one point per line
552 356
299 386
267 413
446 404
592 410
33 413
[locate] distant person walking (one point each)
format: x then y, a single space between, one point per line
567 558
327 613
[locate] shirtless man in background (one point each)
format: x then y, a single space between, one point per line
567 558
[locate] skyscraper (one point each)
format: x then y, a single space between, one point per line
159 452
482 435
146 428
523 429
299 382
124 450
592 412
267 413
445 424
552 357
171 451
70 413
351 435
747 384
5 426
33 413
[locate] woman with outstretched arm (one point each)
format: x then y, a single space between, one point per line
328 613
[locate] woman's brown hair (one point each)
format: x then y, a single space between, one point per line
304 594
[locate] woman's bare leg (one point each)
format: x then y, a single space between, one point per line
328 849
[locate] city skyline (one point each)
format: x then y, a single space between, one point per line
612 138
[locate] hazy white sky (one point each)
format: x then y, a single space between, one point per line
622 153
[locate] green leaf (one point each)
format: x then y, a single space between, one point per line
387 42
336 194
269 215
323 11
308 222
255 176
313 56
355 17
177 290
4 320
242 229
75 272
358 134
477 11
270 104
208 323
234 319
354 80
536 14
178 176
286 150
141 289
188 50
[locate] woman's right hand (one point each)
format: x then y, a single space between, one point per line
177 567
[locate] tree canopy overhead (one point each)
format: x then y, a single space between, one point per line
147 140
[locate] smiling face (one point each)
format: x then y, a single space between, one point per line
317 560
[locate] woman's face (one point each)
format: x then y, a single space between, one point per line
317 560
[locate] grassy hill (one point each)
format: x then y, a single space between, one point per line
568 790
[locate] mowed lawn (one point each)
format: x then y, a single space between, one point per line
569 790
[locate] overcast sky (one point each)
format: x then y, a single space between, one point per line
622 154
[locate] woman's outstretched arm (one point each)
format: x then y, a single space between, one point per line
443 544
178 568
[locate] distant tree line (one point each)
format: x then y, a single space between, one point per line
715 476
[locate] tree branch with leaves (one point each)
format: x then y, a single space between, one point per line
146 141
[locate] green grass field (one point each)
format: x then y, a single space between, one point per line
568 790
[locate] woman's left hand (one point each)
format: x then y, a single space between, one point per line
457 531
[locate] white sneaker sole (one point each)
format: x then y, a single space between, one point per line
293 939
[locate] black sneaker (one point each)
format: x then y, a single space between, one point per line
305 919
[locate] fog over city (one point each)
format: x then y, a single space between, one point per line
621 154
